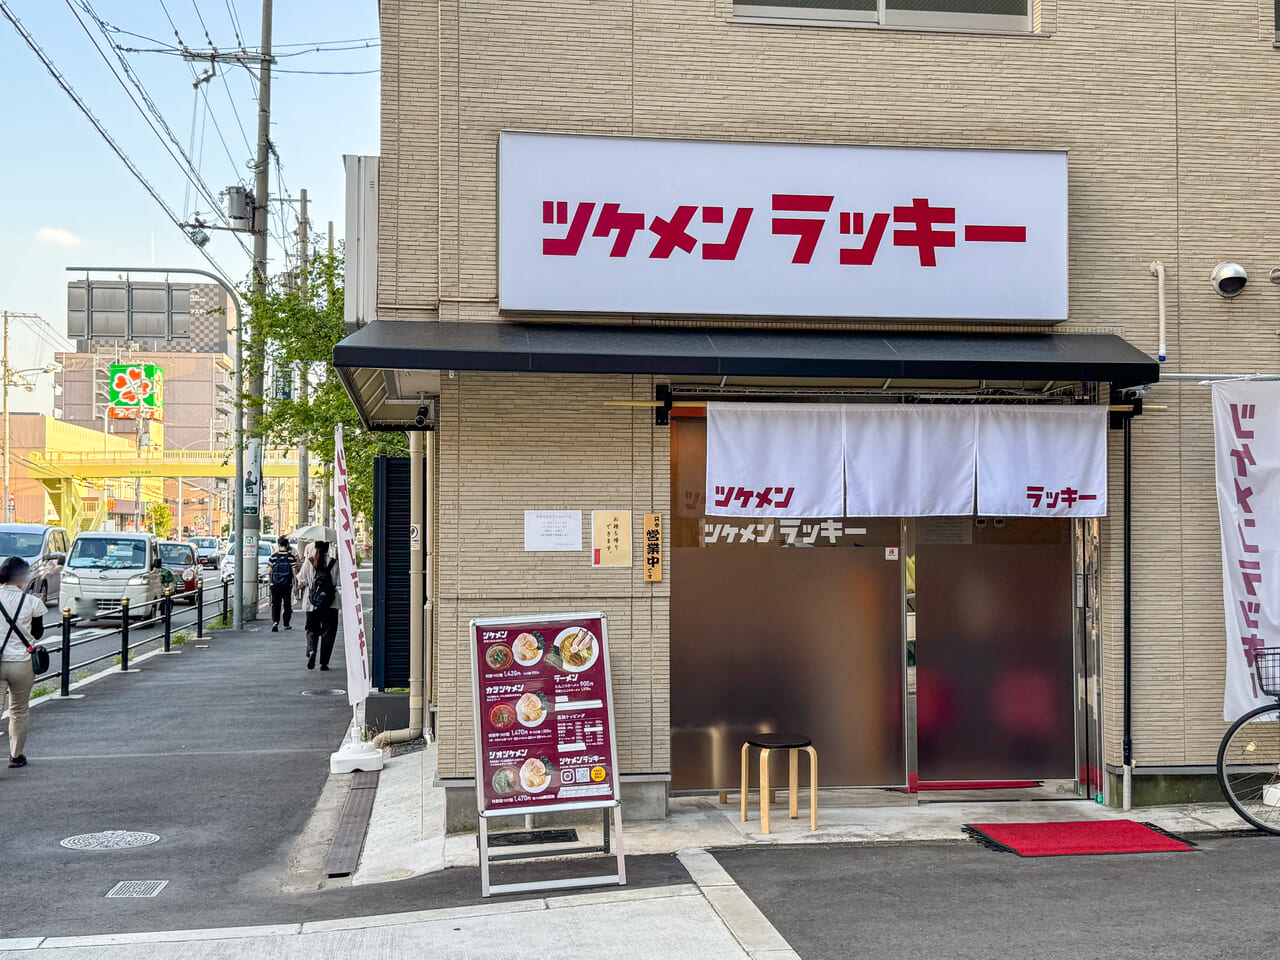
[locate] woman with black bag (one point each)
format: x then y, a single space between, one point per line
23 624
321 602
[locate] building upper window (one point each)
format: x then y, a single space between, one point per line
1001 15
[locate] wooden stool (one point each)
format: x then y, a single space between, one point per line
767 743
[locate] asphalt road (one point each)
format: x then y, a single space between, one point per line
223 752
964 902
101 638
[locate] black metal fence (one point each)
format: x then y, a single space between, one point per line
158 612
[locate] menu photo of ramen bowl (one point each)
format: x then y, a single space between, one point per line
505 781
532 709
575 650
498 657
535 774
502 716
527 648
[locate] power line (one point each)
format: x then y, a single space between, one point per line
235 22
189 170
332 73
325 43
234 110
307 48
70 91
200 17
173 25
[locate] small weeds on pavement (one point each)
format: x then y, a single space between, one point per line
221 623
181 637
41 690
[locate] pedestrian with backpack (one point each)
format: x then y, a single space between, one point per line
22 625
319 579
283 570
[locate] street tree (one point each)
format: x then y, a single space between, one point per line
297 320
160 518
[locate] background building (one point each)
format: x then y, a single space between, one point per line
199 399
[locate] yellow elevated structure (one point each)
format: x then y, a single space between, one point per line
56 465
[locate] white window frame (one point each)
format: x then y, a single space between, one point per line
882 16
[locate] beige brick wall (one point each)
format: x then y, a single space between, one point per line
1165 109
511 443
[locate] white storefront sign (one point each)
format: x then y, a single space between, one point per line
880 460
1246 432
633 225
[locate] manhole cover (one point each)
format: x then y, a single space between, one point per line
110 840
324 693
137 888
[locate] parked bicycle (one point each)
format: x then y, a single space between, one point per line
1249 757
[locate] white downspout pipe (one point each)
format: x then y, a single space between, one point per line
1157 271
416 553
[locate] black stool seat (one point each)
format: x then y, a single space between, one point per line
779 741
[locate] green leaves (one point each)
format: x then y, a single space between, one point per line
291 333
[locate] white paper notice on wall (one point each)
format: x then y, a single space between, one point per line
774 460
1043 461
552 530
909 460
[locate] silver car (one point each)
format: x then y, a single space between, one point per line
43 547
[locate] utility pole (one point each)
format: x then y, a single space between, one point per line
304 480
247 548
326 493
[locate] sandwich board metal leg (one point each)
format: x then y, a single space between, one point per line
611 844
484 857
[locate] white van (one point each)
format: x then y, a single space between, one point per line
104 568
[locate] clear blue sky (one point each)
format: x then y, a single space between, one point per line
68 200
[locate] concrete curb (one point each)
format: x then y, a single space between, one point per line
751 928
353 923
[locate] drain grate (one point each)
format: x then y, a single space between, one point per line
136 888
324 693
110 840
523 837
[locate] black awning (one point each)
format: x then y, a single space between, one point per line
388 345
685 351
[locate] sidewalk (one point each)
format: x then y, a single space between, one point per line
406 835
223 753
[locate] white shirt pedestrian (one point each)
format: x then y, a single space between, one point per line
27 608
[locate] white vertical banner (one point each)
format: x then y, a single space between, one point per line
1042 461
909 460
775 460
354 638
1246 439
252 476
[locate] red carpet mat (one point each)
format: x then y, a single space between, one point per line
1076 837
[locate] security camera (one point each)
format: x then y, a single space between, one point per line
426 418
1228 279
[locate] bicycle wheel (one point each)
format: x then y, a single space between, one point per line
1249 767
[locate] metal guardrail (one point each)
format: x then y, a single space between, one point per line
161 611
